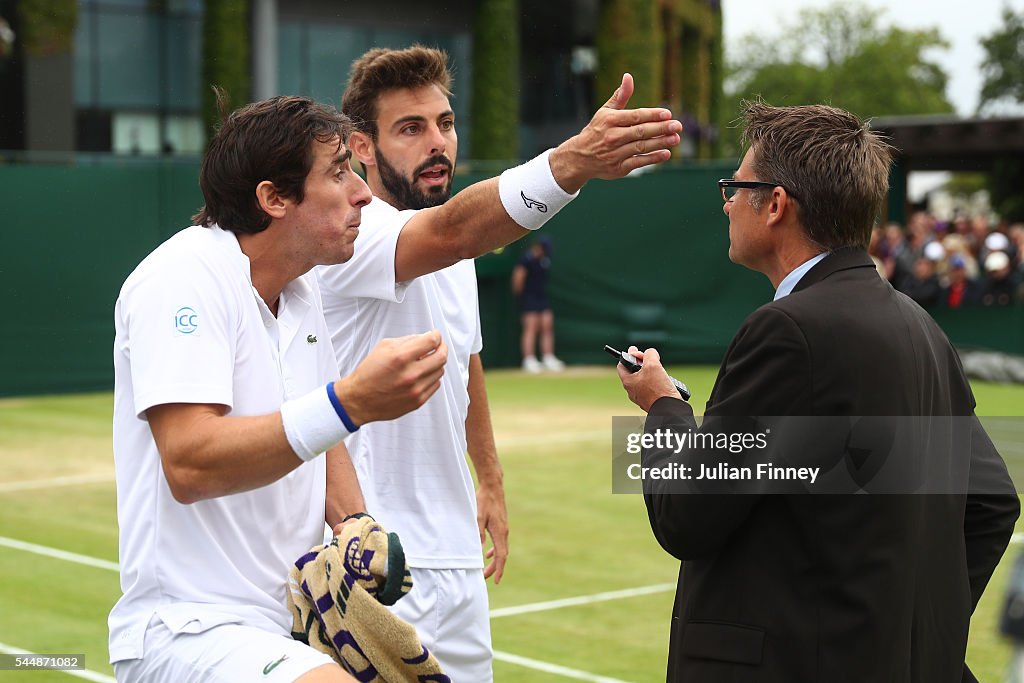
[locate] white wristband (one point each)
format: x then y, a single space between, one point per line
530 193
311 423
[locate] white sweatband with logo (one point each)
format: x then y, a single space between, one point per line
530 193
312 423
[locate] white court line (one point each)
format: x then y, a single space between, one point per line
495 613
30 484
553 668
581 600
1017 538
503 612
58 554
77 673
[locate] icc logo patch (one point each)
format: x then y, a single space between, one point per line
186 320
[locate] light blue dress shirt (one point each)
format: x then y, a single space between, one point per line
791 280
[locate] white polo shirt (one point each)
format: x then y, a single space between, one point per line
412 470
190 328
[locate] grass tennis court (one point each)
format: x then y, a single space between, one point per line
570 537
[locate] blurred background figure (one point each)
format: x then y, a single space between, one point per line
975 262
1001 285
923 284
958 251
530 285
896 254
962 289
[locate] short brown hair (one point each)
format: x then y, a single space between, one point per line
830 161
269 140
381 70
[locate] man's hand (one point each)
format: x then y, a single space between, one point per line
396 377
492 518
616 141
648 384
338 528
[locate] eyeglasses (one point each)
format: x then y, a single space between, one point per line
728 186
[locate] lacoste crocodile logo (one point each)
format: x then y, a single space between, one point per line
273 665
533 203
311 339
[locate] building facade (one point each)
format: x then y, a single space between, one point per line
126 76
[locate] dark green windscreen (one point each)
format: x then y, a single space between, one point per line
639 260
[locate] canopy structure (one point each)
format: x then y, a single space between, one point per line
945 143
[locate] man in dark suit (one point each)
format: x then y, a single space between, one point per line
795 588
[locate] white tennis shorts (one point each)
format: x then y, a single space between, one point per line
448 607
223 654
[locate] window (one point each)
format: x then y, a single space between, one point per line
314 61
137 76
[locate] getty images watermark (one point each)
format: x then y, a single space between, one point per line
813 455
675 442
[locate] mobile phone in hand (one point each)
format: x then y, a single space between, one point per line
633 364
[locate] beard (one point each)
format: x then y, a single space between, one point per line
404 191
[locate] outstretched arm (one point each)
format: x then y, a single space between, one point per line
475 221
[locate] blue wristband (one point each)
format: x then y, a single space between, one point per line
340 409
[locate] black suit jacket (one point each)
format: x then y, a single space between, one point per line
832 588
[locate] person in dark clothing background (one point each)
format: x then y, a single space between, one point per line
922 285
530 285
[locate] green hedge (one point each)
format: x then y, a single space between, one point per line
47 26
629 38
495 106
225 58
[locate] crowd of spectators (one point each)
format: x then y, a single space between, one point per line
969 261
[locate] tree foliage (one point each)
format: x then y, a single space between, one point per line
1003 67
495 106
225 57
1004 185
1003 73
47 26
843 55
629 39
674 49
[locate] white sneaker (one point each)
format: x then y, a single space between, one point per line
553 364
532 365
